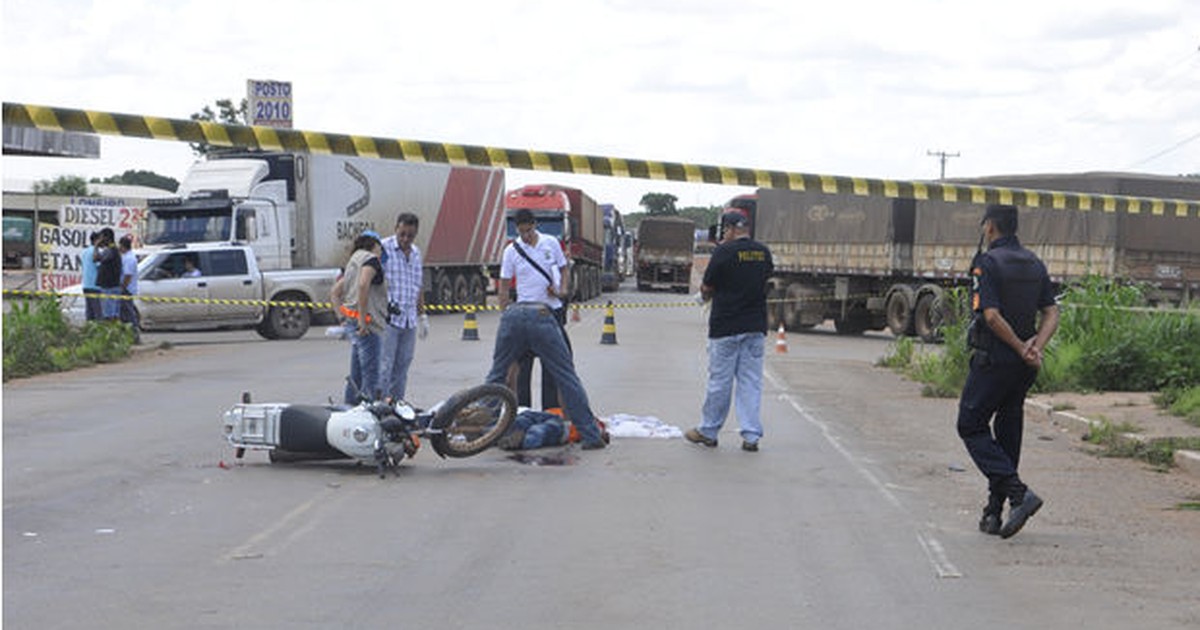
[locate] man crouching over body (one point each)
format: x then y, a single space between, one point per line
529 325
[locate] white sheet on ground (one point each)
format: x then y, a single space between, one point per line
621 425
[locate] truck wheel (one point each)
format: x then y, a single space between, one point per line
443 289
927 316
577 294
287 322
462 291
899 309
477 289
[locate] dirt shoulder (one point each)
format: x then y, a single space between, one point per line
1132 413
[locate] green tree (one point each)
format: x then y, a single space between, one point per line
141 178
65 185
226 113
701 216
658 204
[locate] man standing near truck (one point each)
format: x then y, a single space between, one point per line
1009 288
736 282
406 304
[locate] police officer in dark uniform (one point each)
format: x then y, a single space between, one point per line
1010 287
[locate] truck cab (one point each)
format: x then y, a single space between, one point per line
572 217
226 201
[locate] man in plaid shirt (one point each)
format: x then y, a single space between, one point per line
406 304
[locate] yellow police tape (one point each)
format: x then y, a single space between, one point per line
473 308
272 139
437 308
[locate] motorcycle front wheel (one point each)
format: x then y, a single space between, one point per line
472 420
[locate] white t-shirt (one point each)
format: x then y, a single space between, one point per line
531 285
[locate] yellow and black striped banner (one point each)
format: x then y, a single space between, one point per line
272 139
434 308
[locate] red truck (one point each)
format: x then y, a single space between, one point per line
572 217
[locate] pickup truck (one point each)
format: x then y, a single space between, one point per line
221 272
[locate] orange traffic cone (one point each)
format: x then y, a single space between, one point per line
781 340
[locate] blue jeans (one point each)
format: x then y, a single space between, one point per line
364 365
734 358
110 307
532 328
398 348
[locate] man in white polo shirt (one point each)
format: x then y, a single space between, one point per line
531 325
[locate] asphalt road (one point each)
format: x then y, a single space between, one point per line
119 514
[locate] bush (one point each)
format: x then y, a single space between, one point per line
1106 341
1183 402
38 339
1125 348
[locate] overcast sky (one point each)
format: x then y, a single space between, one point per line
850 87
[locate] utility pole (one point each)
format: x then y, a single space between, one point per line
942 156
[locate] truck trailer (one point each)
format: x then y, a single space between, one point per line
665 247
873 262
576 220
303 212
617 248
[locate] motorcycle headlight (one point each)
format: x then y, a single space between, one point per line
404 410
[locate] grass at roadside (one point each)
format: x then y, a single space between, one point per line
1116 441
38 339
1107 341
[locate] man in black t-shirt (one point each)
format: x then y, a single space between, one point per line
736 282
108 273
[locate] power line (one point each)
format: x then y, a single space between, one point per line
942 156
1191 138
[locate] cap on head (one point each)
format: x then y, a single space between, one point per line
524 216
1001 214
371 234
734 218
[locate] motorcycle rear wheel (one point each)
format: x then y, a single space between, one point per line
472 420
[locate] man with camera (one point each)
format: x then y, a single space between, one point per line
402 269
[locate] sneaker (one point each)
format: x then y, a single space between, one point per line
749 447
593 446
697 437
1019 513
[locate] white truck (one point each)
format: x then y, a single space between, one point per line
298 214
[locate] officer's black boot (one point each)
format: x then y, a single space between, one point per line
990 522
1019 512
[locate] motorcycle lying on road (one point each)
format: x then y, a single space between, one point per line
374 433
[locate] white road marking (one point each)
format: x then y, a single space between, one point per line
934 552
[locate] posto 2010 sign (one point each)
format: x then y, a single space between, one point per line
270 103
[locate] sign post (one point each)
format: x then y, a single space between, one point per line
270 103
